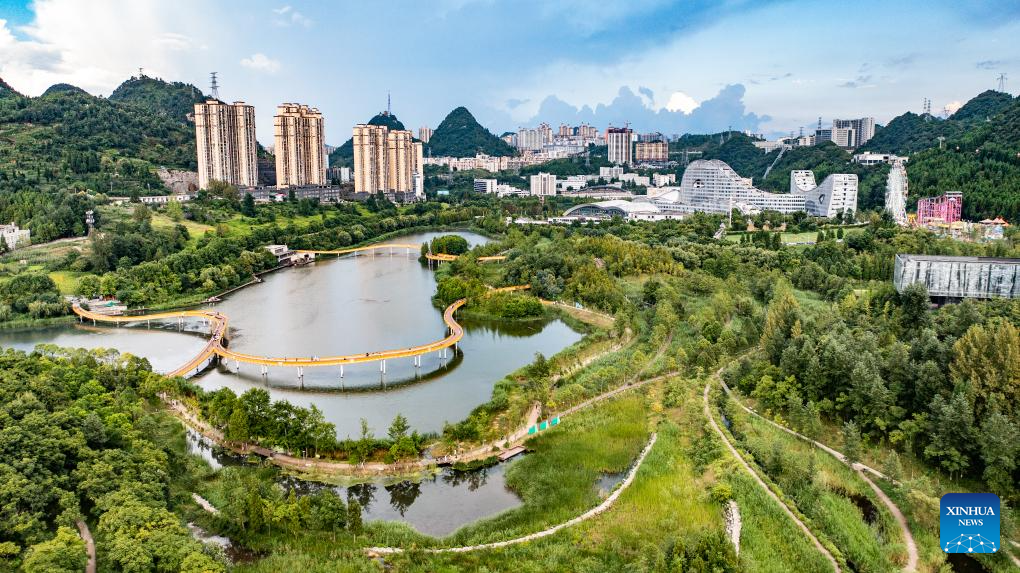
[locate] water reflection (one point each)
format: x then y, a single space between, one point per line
436 505
339 306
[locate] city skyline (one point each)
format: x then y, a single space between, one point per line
696 67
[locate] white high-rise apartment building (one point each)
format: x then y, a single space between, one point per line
424 134
387 161
620 142
543 184
530 139
298 136
225 143
863 129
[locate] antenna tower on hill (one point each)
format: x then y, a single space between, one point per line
1002 82
214 86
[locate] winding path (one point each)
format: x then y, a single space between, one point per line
861 469
90 545
740 459
600 508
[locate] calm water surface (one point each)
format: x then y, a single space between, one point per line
342 306
436 505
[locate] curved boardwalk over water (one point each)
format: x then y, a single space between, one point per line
218 321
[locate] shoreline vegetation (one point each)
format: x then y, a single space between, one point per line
663 306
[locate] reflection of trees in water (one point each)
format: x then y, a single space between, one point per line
403 495
514 328
473 478
363 492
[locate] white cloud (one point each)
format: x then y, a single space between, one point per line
97 45
679 101
261 62
288 16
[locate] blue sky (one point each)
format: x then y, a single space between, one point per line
670 66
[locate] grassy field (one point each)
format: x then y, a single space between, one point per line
796 238
824 489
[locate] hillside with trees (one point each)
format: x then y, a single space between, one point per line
983 162
175 100
910 132
67 142
460 135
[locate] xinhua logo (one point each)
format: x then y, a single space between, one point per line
969 523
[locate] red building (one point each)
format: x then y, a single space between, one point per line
944 209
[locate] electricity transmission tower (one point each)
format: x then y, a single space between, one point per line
214 86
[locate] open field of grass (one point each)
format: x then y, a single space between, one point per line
832 495
796 238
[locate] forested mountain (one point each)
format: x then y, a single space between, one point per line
345 153
909 133
983 106
460 135
982 161
174 100
67 141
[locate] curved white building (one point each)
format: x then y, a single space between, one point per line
713 186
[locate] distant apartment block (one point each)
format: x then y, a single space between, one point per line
640 180
863 129
15 237
649 137
543 184
298 135
424 134
387 161
530 139
663 179
651 152
619 141
485 186
225 143
611 173
341 174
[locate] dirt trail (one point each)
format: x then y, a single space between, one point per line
862 470
818 544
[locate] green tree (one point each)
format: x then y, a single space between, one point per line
174 210
398 429
851 442
248 205
89 286
65 553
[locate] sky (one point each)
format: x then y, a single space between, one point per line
674 66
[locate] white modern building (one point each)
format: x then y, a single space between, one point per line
663 179
713 186
620 142
876 158
15 237
863 129
635 179
485 186
543 184
573 183
629 210
611 173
